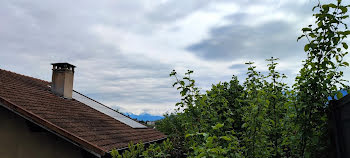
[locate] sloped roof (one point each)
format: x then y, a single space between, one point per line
75 121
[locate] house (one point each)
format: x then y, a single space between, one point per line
340 126
40 119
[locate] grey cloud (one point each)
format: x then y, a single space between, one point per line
236 40
172 10
275 38
37 33
135 97
176 9
238 66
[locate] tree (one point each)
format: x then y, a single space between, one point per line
262 117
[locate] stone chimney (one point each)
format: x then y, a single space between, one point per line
62 79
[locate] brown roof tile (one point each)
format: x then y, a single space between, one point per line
70 118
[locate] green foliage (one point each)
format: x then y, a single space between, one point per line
139 150
319 78
171 125
262 117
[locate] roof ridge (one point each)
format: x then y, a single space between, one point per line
8 71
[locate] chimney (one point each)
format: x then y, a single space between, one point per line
62 79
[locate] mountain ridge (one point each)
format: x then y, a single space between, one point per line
144 117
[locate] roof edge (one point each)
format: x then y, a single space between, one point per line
97 151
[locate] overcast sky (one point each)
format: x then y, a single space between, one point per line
124 50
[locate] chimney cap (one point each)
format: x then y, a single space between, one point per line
63 65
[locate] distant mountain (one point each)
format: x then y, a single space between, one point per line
144 117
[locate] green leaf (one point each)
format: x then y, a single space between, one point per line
188 135
306 48
300 37
346 63
332 5
244 125
343 9
325 8
337 58
312 35
345 45
226 138
339 95
217 126
345 17
114 153
182 83
346 32
306 29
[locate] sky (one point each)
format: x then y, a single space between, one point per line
124 50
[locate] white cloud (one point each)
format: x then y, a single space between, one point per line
124 50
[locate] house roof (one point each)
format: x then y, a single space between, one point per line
79 123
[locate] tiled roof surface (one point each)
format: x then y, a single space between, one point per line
70 118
